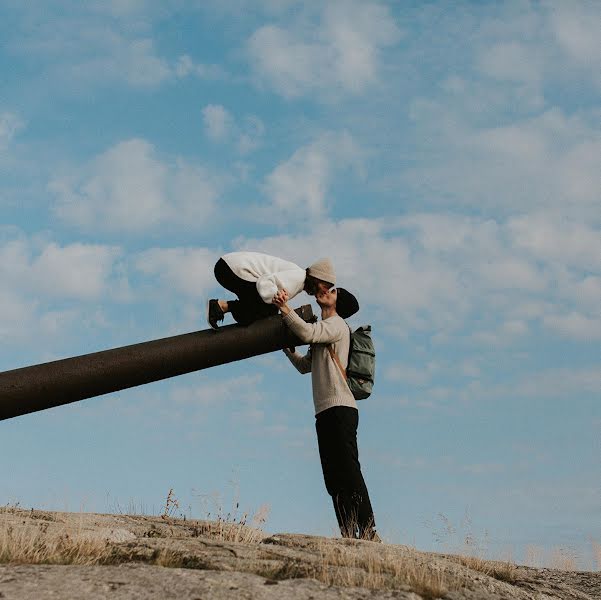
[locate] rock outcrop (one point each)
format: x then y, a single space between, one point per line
93 556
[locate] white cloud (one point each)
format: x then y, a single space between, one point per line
503 335
298 187
252 134
420 376
556 383
470 368
221 126
10 124
181 270
136 63
80 271
94 52
122 8
514 129
575 325
511 60
128 188
337 51
547 162
191 404
443 274
529 47
47 289
218 122
216 392
409 374
408 288
102 43
186 66
569 243
575 26
76 270
585 292
16 316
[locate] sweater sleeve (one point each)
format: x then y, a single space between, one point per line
323 332
302 363
269 284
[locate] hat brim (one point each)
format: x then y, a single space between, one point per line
346 304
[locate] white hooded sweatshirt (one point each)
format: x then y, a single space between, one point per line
270 273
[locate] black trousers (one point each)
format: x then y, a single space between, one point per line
337 438
250 306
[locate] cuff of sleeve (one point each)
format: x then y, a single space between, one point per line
291 316
267 290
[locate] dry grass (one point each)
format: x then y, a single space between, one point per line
34 544
562 559
31 545
357 564
377 568
240 530
233 525
501 570
171 504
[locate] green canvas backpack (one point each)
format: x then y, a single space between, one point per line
361 367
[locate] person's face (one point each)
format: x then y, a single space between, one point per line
326 296
323 286
313 286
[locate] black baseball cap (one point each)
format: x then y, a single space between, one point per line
346 303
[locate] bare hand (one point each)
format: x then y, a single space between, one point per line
280 298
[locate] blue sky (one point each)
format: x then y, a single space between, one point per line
448 160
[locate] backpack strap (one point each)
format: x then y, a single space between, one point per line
336 360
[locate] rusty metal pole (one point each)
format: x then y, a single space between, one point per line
39 387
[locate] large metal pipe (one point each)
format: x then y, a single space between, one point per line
39 387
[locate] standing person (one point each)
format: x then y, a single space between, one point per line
255 278
336 414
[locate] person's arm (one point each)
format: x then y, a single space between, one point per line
270 284
322 332
302 363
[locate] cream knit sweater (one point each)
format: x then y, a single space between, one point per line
329 386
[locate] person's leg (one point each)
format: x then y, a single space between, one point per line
332 437
250 306
328 441
337 439
360 504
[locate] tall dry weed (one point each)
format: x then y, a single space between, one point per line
243 529
234 525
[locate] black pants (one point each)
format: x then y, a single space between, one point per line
337 438
250 306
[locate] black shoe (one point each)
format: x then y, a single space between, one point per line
214 313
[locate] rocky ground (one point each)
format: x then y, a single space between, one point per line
92 556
